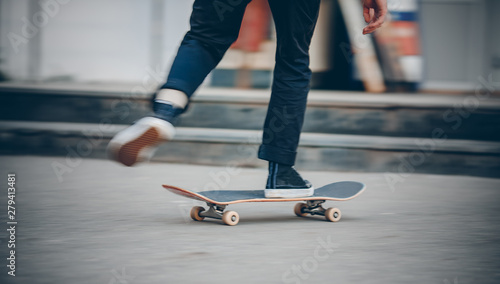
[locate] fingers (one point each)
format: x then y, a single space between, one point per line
374 13
366 14
376 22
372 27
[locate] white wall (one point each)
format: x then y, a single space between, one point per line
92 40
493 40
454 39
98 40
11 13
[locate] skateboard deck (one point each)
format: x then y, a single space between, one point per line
217 201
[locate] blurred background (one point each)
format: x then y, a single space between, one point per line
439 45
69 67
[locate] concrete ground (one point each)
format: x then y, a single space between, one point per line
94 221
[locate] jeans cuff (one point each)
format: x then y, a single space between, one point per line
277 155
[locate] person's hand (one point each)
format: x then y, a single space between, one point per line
374 12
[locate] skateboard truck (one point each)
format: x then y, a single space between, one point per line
314 207
215 211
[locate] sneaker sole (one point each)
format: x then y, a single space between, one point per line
138 142
131 153
289 193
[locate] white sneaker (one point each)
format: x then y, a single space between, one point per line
139 141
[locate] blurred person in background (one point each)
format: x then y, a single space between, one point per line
215 25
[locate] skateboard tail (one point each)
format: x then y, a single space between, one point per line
185 193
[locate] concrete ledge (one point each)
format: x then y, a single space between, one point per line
351 99
225 147
385 115
242 96
236 136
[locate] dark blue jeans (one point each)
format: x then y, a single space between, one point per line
215 25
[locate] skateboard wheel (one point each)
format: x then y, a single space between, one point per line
195 213
333 214
298 209
230 218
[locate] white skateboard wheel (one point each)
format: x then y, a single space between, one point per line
230 218
195 213
298 209
333 214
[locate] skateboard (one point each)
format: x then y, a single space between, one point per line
218 200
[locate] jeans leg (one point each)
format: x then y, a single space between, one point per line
215 25
295 21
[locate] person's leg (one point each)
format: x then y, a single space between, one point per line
295 21
215 26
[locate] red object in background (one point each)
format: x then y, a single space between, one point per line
255 26
406 34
